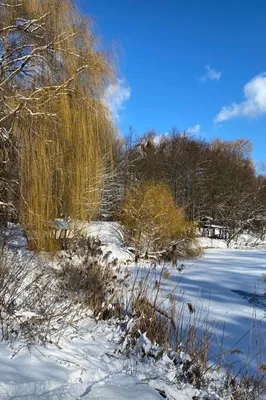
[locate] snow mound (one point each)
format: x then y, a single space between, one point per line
241 241
110 234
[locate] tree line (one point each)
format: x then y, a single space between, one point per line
207 178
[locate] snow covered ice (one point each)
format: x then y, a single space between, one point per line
226 287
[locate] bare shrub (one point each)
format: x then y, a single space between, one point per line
30 304
87 276
183 248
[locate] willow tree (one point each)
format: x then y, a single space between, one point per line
149 213
53 76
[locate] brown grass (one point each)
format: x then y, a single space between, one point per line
92 280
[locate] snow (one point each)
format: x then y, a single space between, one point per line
242 241
208 243
83 365
221 287
110 233
86 365
13 236
59 223
87 362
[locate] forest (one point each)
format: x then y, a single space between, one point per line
216 178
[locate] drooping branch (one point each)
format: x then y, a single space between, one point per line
52 81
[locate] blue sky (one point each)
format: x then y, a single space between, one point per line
193 64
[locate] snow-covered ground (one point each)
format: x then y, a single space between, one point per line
225 285
84 366
242 241
87 364
87 361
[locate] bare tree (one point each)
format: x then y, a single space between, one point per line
216 179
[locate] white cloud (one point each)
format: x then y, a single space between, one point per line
116 95
211 74
158 138
194 130
253 106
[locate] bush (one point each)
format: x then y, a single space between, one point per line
149 213
32 306
38 302
87 276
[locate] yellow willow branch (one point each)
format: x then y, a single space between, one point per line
27 59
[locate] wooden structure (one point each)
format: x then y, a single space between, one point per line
208 228
60 232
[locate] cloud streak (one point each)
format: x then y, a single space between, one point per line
254 104
211 74
116 95
194 130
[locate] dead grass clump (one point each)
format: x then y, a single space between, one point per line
89 281
87 275
158 326
247 388
154 322
32 306
184 248
39 303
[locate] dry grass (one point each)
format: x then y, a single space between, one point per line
88 281
163 323
38 303
31 304
92 279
